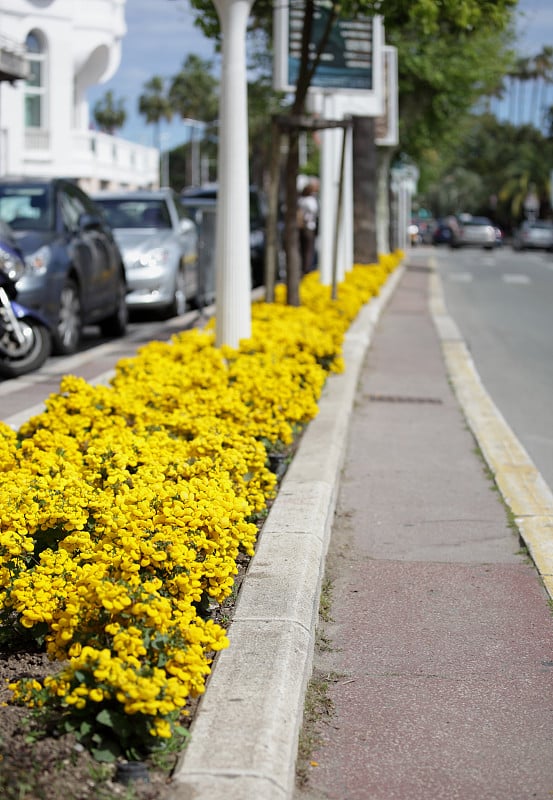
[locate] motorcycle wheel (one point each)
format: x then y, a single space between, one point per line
16 361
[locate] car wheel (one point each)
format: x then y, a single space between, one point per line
115 325
178 304
70 323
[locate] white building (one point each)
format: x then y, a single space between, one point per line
64 47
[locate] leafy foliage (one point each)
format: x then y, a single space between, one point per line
193 91
154 105
490 170
110 113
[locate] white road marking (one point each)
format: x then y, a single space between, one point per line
521 280
461 277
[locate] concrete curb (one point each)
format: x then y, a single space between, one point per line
245 736
523 488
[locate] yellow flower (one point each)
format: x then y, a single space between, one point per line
126 506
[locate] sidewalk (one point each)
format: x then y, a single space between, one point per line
440 666
439 653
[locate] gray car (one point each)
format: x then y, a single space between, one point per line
74 273
159 244
474 232
536 235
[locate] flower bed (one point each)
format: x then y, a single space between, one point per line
125 509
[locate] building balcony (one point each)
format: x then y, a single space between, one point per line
13 62
97 160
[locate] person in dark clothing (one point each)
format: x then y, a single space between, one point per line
308 212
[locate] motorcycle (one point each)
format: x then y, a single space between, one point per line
25 338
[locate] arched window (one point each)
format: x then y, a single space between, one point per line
35 88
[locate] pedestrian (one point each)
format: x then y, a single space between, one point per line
307 216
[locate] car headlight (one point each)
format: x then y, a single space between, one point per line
11 263
155 258
38 261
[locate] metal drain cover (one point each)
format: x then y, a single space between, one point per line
395 398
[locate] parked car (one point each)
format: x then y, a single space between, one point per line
74 270
474 231
200 197
537 235
159 243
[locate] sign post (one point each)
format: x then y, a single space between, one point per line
346 82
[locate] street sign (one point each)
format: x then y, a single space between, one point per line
348 61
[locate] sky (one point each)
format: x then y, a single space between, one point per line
161 34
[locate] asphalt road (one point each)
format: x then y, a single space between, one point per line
502 302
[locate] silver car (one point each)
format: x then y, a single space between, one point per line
536 235
475 232
159 243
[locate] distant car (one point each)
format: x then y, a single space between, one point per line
200 197
159 244
442 233
476 232
537 235
74 270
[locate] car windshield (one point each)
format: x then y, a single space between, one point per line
135 213
478 221
194 199
27 207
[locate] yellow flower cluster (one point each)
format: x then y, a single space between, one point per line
124 507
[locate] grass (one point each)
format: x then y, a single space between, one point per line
318 704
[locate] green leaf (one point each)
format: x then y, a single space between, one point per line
105 754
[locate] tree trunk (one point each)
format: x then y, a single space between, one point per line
291 241
384 158
364 191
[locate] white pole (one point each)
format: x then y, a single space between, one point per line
232 237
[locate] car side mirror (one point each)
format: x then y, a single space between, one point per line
89 222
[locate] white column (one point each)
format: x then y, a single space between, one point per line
232 244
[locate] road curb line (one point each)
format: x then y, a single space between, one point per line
245 735
521 484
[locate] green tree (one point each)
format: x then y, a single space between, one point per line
109 114
193 96
450 54
193 90
154 106
491 171
544 76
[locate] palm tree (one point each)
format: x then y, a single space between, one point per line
193 97
523 73
544 69
192 93
154 105
109 113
